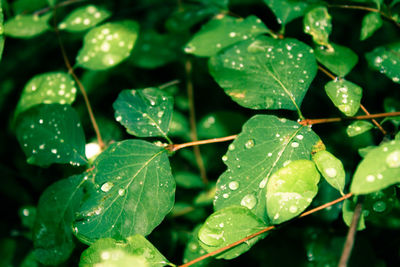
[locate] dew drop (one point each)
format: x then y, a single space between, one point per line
25 212
370 178
98 210
231 147
233 185
379 206
293 209
249 144
249 201
119 118
121 192
106 186
300 137
393 159
295 144
224 158
225 195
263 183
331 172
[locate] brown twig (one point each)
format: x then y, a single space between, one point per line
175 147
326 72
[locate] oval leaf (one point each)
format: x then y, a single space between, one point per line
370 24
331 169
84 18
345 95
358 127
386 60
317 23
27 26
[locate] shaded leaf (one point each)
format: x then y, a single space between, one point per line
379 204
317 23
84 18
358 127
179 125
193 250
386 59
370 24
331 169
27 26
348 212
345 95
391 104
287 10
187 179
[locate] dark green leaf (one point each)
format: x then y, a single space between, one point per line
386 59
188 180
370 24
394 2
358 127
379 204
220 124
331 169
348 212
84 18
317 23
193 250
345 95
27 26
287 10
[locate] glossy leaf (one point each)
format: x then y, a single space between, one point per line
287 10
370 24
358 127
111 252
228 225
345 95
108 45
331 169
317 23
51 134
47 88
84 18
291 189
265 73
348 212
265 145
27 26
133 191
338 59
144 112
193 250
1 31
187 179
386 59
379 169
222 32
52 235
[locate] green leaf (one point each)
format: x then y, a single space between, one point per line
370 24
345 95
27 26
222 32
52 235
133 191
228 225
338 59
391 104
386 59
193 250
265 145
51 134
317 23
291 189
47 88
348 212
30 261
331 169
265 73
145 112
84 18
1 31
133 251
394 2
187 179
379 169
358 127
108 45
220 124
287 10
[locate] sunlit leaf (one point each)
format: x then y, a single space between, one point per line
345 95
331 169
317 23
84 18
358 127
386 59
378 205
27 26
287 10
370 24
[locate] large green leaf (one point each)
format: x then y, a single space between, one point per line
317 23
145 112
331 169
52 234
133 191
265 145
287 10
111 252
84 18
51 134
379 169
370 24
345 95
27 26
108 45
222 32
265 73
228 225
386 59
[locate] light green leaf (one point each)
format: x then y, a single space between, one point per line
391 104
220 124
379 169
29 261
386 59
108 45
265 73
348 212
358 127
228 225
84 18
27 26
144 112
370 24
51 134
1 31
287 10
331 169
52 234
317 23
338 59
265 145
47 88
193 250
222 32
133 191
111 252
291 189
345 95
187 179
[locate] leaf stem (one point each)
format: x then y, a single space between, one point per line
326 72
175 147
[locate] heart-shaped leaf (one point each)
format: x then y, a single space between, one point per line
345 95
27 26
386 59
84 18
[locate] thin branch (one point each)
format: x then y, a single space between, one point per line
169 84
351 235
326 72
65 3
175 147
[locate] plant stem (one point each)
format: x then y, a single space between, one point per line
326 72
175 147
192 120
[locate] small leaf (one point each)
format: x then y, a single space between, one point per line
27 26
317 23
133 191
51 134
193 250
348 212
145 112
28 216
265 73
133 251
386 59
291 189
345 95
370 24
52 235
84 18
108 45
47 88
222 32
379 169
287 10
358 127
331 169
228 225
220 124
338 59
188 180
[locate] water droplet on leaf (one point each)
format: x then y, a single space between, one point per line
249 201
249 144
